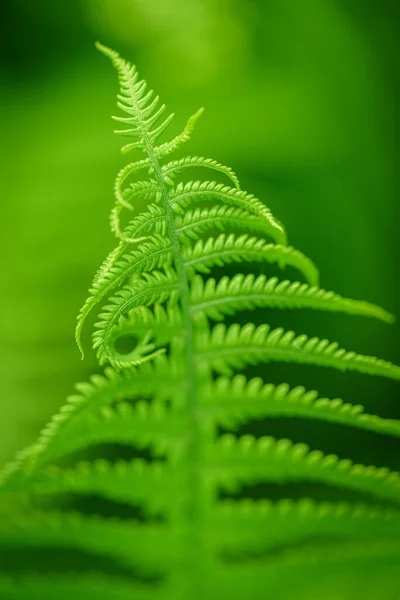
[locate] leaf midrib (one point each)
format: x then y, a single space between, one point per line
193 456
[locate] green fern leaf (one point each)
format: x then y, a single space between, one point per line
184 194
235 461
231 249
129 482
132 487
198 220
176 167
255 528
235 347
227 296
232 401
151 255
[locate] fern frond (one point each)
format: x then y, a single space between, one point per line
235 347
150 222
170 147
227 249
175 167
196 221
108 263
234 462
145 191
63 435
253 528
131 543
153 134
184 194
152 328
123 174
230 402
154 288
151 255
243 292
131 482
188 541
144 425
134 101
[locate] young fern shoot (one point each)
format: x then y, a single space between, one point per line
172 382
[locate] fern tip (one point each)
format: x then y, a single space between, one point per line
78 340
80 348
198 113
390 318
106 50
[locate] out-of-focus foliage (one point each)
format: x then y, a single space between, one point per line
319 139
200 37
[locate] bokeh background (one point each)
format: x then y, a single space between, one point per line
301 100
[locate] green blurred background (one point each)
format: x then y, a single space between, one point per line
300 100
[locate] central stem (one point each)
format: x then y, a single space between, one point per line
192 515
